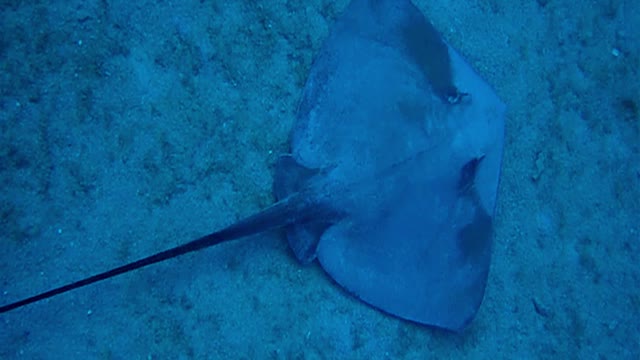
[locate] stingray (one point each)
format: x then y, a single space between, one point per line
392 177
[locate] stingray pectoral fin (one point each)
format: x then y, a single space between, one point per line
426 261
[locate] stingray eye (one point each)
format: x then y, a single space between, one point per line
457 97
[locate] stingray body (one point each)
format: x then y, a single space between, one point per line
392 179
411 140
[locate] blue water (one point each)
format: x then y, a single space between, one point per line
128 127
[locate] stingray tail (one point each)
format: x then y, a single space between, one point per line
313 217
275 216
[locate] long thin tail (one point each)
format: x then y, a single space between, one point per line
195 245
287 211
273 217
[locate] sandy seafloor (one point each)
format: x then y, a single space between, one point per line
127 127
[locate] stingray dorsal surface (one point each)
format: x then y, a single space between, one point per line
413 138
